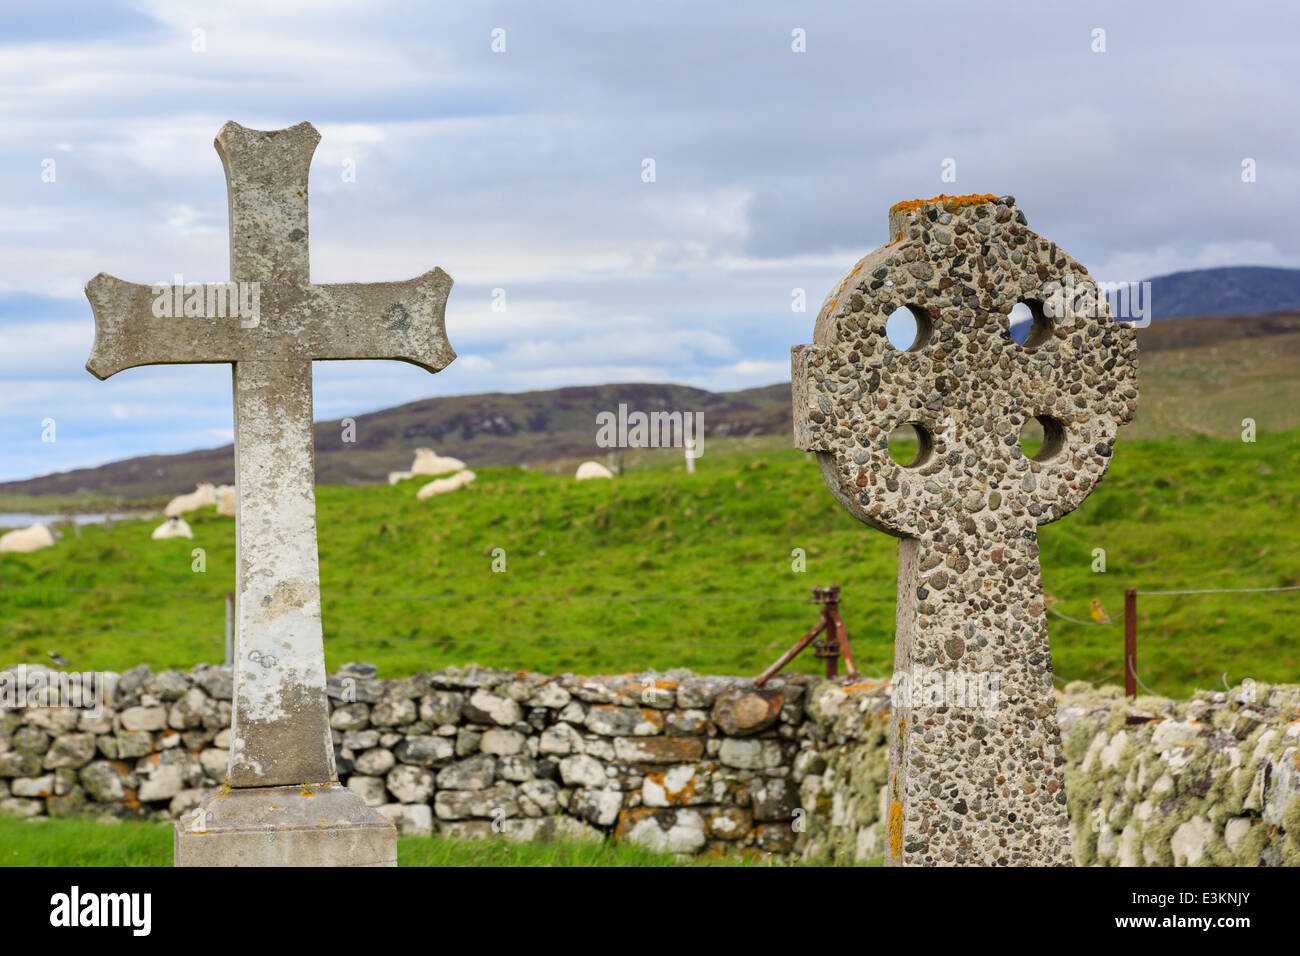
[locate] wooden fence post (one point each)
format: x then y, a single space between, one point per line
1130 642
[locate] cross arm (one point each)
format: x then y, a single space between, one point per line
382 320
137 325
814 411
152 325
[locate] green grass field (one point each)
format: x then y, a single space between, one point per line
661 569
78 841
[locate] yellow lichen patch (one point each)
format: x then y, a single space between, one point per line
149 764
654 684
864 685
683 797
952 202
895 828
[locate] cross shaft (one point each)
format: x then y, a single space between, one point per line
280 728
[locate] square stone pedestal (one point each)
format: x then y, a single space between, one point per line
326 825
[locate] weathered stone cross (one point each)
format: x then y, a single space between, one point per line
280 728
975 749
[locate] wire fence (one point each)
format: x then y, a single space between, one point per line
1289 587
550 597
357 638
1107 622
1101 619
429 597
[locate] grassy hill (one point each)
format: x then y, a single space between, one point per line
554 427
661 569
1199 376
1203 376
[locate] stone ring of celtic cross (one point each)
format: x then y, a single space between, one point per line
960 264
974 771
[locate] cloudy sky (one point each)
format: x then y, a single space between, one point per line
522 170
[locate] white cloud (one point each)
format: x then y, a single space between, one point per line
522 172
1131 266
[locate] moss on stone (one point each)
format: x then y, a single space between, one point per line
1204 787
1114 721
869 772
1217 852
1157 834
1291 821
1253 846
1223 719
1078 741
1127 757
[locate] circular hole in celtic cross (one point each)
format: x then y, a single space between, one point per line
908 328
1042 437
910 445
1030 325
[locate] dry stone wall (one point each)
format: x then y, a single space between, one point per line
1212 781
675 761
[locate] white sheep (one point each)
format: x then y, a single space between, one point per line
440 486
395 476
225 495
173 527
429 462
203 494
592 469
27 539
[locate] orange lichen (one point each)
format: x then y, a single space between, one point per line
895 828
652 684
864 685
952 202
682 797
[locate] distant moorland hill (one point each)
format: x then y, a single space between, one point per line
1199 376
